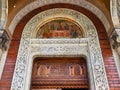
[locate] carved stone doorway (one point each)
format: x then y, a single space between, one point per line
59 72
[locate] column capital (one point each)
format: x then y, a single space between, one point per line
4 38
115 38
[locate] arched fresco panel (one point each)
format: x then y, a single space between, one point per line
59 28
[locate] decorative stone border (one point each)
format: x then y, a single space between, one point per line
39 3
3 13
31 47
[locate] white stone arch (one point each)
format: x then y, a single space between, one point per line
3 13
115 12
89 46
39 3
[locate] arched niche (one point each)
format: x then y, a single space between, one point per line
60 27
88 46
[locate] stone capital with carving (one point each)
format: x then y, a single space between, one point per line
116 38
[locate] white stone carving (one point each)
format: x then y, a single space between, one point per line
3 13
60 49
118 9
40 3
59 41
31 47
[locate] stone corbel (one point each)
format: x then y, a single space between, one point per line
4 38
116 39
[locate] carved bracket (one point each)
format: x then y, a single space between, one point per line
4 38
116 39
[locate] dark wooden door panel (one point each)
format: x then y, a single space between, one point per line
59 72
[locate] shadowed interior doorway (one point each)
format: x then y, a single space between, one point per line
67 73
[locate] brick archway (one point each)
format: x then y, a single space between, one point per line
104 42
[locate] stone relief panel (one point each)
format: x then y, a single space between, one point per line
59 50
59 46
28 48
59 41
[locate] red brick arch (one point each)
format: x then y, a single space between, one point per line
112 74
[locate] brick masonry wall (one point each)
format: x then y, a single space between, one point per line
111 70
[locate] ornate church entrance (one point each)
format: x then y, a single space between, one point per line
63 33
65 73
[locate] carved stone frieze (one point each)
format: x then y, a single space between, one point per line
60 50
90 47
59 41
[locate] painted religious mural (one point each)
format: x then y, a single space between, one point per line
59 29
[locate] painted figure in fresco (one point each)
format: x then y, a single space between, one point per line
59 29
73 32
46 33
66 27
52 27
59 26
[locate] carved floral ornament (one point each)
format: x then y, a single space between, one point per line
30 47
